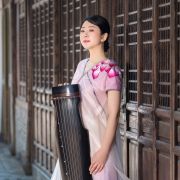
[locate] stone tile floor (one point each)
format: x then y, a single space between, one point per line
10 167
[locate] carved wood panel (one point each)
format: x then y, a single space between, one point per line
162 139
22 49
152 115
42 60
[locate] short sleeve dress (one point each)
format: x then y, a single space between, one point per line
94 85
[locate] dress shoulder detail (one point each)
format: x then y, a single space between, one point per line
109 66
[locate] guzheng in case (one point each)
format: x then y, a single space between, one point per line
73 141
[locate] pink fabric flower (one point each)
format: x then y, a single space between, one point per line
110 67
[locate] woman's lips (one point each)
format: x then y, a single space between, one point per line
86 41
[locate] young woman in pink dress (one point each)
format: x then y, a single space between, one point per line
100 82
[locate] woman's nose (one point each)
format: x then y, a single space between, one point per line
86 34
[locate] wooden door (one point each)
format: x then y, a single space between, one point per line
151 78
42 75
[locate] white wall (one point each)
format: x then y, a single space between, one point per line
1 64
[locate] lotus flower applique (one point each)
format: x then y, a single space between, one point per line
110 67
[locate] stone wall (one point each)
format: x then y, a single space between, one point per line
22 151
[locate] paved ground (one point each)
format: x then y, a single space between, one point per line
10 168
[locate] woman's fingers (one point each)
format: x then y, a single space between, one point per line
91 166
98 168
101 168
95 167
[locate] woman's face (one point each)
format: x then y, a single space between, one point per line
90 35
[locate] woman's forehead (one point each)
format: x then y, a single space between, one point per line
87 24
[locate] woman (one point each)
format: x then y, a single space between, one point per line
99 79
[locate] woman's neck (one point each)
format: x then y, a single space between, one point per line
96 55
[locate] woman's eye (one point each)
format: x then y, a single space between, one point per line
82 31
91 30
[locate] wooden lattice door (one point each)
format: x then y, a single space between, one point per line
42 75
151 76
22 47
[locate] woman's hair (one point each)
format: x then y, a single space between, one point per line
103 24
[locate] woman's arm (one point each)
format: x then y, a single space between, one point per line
99 158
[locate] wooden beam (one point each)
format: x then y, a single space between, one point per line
29 91
56 46
14 75
139 84
173 68
125 82
155 81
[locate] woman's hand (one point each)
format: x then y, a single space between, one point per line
100 157
98 161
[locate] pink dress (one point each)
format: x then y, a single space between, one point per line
94 84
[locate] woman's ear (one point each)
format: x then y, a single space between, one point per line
104 37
